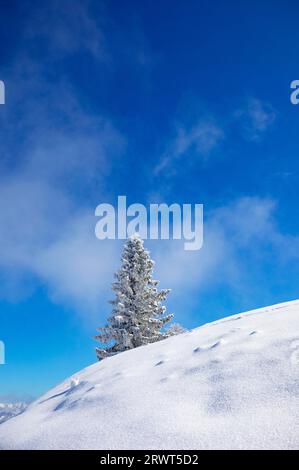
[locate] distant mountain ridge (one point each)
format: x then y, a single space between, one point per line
9 410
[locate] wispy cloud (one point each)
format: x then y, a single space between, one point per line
201 139
242 224
48 180
58 24
47 232
242 242
256 117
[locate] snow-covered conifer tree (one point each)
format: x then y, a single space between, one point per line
137 316
176 329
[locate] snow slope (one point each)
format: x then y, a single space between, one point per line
230 384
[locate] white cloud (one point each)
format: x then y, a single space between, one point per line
47 229
77 268
68 27
256 118
206 135
202 139
242 240
226 229
52 177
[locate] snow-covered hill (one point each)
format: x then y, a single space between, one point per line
231 384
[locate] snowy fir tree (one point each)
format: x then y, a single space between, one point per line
137 317
176 329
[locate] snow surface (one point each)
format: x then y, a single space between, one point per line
230 384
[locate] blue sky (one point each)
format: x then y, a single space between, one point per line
185 102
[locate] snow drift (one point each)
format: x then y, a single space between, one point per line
230 384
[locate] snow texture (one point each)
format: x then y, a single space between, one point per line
230 384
